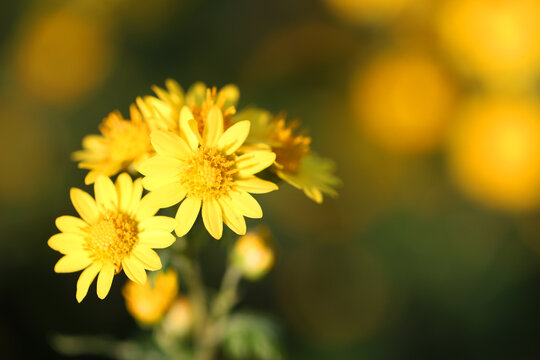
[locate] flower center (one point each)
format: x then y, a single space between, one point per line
208 174
112 237
127 139
292 148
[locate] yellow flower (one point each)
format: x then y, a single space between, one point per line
163 111
116 231
147 303
122 145
494 152
252 255
205 172
295 162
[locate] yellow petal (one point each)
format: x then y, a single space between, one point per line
136 193
153 182
105 280
148 257
145 209
86 278
196 94
66 242
231 94
85 205
234 137
105 193
71 224
213 127
169 144
232 218
255 185
189 128
246 204
134 270
160 166
124 187
212 218
254 161
186 215
73 262
157 223
167 195
157 239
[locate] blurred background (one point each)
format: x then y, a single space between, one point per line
429 108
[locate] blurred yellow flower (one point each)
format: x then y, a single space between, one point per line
62 57
496 40
361 11
403 101
494 152
163 111
116 231
295 163
122 145
252 255
204 171
147 303
179 319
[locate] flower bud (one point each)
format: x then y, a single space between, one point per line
252 255
179 319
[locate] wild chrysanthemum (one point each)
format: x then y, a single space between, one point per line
116 231
295 162
204 171
149 302
121 146
163 111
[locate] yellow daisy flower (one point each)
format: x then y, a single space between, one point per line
204 171
295 162
147 303
121 146
116 231
163 111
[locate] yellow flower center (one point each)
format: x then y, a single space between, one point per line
291 148
127 140
208 174
112 237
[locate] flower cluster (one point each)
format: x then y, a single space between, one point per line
193 150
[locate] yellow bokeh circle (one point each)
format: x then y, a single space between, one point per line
494 152
496 40
62 56
403 102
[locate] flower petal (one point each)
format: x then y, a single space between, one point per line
232 218
84 204
124 188
187 214
134 270
169 144
212 218
73 262
157 223
71 224
136 193
105 193
234 137
157 239
254 161
160 165
105 280
255 185
153 182
148 257
246 204
66 242
189 128
167 195
213 127
145 209
86 278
